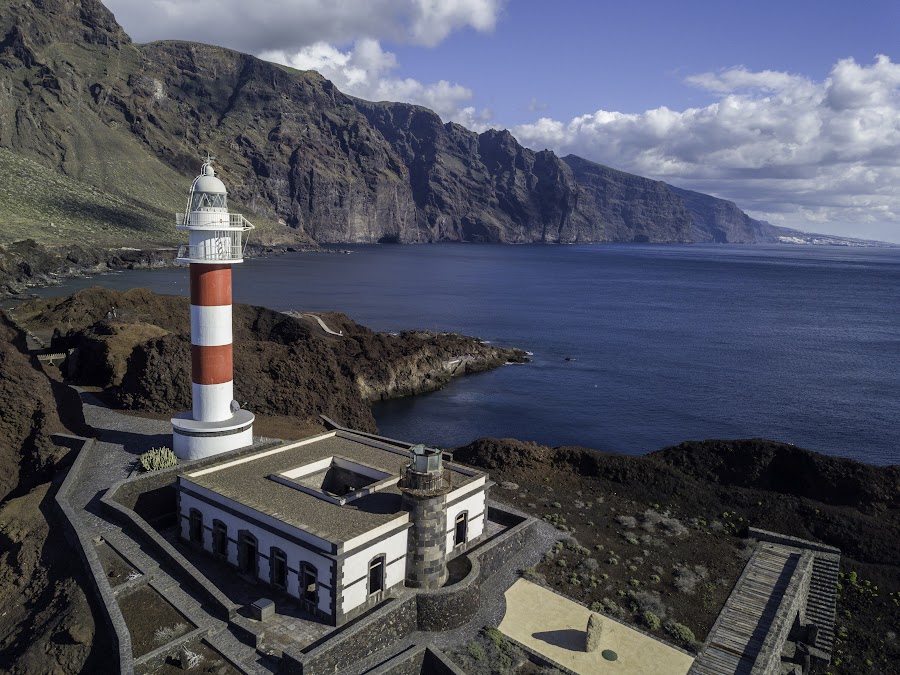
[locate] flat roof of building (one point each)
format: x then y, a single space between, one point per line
248 480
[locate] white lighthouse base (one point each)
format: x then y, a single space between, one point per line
194 440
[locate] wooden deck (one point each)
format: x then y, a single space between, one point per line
737 638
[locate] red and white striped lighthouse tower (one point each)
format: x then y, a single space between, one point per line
216 423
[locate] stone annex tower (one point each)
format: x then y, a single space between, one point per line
216 423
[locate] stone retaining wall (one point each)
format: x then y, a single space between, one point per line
768 662
418 660
795 542
358 640
99 594
128 518
452 606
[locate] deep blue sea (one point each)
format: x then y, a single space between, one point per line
666 343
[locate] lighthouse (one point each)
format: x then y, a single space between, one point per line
216 423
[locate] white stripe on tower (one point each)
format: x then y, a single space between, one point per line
211 325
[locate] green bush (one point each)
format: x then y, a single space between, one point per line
158 458
476 651
651 620
680 632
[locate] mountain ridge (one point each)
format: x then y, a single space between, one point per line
305 161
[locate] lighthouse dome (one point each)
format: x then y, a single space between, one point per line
208 183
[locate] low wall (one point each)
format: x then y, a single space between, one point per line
785 540
224 607
452 606
104 602
768 662
418 660
495 554
359 640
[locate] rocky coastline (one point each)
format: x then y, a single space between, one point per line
135 345
27 264
673 520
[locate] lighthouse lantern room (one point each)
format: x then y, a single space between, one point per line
216 422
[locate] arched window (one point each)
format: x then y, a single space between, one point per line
376 574
220 538
461 532
195 529
309 587
278 567
248 554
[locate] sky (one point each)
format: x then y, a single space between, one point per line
790 109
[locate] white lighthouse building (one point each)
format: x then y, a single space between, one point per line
216 422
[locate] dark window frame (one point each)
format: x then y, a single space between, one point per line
310 603
220 538
245 538
377 567
195 526
461 528
277 555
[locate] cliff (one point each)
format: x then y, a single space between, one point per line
103 136
136 345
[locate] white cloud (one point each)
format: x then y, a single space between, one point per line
816 155
365 72
309 34
291 25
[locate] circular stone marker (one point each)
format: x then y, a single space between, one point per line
609 655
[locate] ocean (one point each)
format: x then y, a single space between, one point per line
635 347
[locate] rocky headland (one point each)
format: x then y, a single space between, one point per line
672 520
135 345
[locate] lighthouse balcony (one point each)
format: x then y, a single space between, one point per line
212 220
223 247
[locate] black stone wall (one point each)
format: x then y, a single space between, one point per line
426 554
377 631
450 607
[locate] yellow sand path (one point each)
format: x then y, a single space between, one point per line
554 626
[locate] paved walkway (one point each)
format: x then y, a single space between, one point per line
121 439
554 626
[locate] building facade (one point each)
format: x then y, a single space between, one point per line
327 520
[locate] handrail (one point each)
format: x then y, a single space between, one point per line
221 253
213 220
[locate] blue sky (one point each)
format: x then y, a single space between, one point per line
790 109
577 57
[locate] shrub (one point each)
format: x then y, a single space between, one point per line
531 574
651 620
495 636
476 651
680 632
158 458
626 521
654 578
